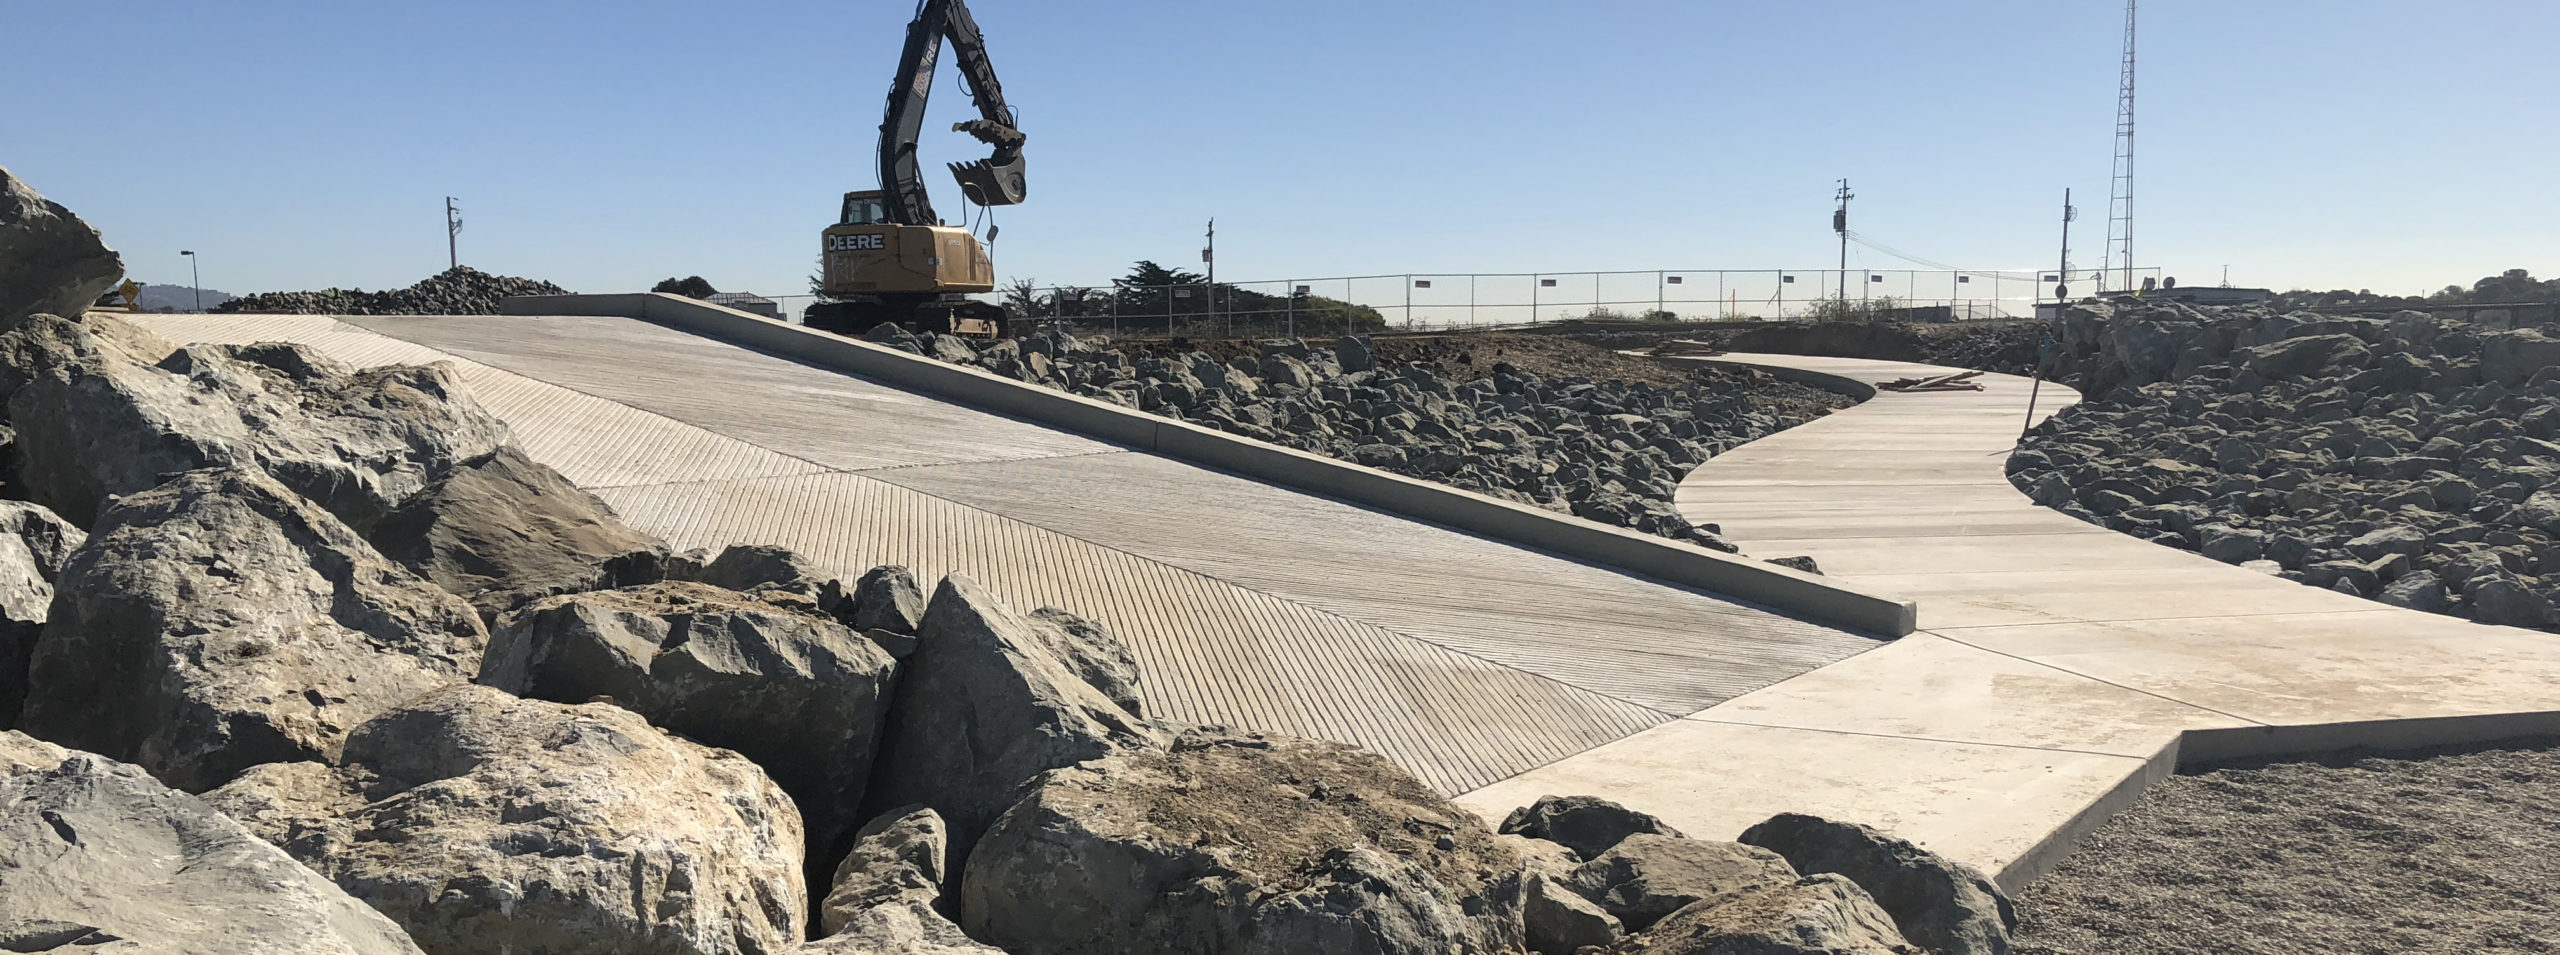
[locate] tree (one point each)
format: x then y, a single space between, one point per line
691 286
1149 290
1023 299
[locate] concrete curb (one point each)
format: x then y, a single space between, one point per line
2201 749
1806 595
1826 381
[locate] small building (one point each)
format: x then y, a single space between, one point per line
748 302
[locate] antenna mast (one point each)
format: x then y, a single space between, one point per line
2120 197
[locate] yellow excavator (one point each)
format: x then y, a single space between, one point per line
888 258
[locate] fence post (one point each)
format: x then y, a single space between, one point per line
1534 281
1408 300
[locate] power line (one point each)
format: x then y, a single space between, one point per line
1862 240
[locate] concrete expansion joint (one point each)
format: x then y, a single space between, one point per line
2057 668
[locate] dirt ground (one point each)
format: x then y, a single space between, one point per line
2453 850
1465 356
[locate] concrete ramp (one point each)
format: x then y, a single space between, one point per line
1466 660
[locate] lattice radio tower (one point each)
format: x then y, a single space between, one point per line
2119 250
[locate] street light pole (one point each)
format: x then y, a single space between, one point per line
452 233
196 276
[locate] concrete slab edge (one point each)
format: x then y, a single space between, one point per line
2203 748
1806 595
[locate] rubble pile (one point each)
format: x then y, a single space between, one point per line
1608 450
2413 460
462 290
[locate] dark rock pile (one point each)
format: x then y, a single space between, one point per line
1607 450
462 290
2413 460
322 664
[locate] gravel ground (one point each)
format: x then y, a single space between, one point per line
2440 851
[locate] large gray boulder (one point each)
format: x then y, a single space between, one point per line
984 705
95 855
765 567
1248 846
899 857
1588 825
506 530
1097 655
220 621
884 893
360 443
1945 906
50 261
793 690
34 545
2295 358
46 344
1821 915
481 822
1647 877
887 599
1557 920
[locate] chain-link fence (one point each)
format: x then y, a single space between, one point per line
1421 302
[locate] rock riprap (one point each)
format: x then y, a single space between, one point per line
2407 459
506 530
1945 906
96 856
50 262
93 422
1607 450
1587 825
982 706
220 621
1240 845
795 691
34 547
885 892
1820 915
462 290
481 822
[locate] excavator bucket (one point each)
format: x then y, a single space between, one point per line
988 183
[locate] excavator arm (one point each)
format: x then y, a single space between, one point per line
993 181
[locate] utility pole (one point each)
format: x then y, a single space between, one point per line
1209 255
1840 224
452 229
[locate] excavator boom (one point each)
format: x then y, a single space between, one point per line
994 181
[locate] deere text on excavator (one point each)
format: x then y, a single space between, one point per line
888 258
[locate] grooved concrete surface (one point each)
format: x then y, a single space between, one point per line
1466 660
2057 661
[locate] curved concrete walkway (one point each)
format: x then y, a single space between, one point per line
2060 666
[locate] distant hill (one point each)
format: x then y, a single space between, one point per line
179 298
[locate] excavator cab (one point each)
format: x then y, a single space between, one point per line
863 208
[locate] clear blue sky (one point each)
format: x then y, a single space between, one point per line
2397 146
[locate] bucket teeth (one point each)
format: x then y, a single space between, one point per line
989 184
